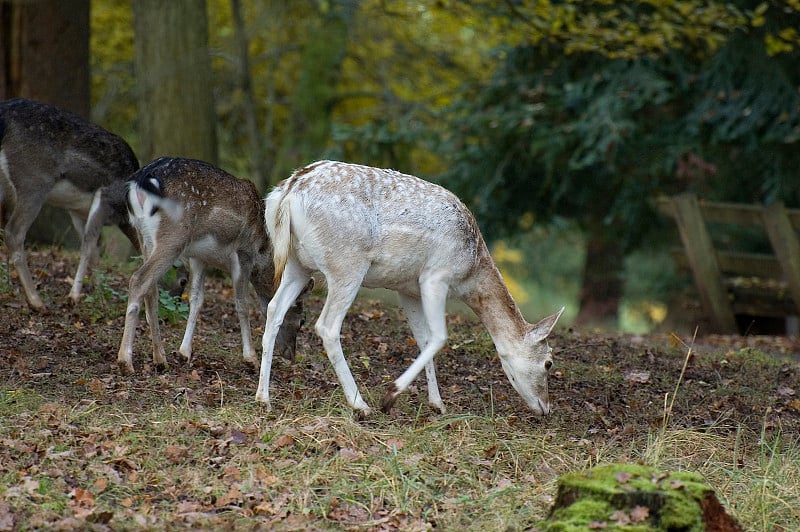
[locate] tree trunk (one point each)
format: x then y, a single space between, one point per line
258 166
36 64
173 68
601 289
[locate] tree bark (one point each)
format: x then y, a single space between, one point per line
36 64
602 285
173 68
258 166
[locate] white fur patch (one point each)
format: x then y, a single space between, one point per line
142 205
4 165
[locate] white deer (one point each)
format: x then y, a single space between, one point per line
48 155
189 209
380 228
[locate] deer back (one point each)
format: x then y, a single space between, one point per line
210 212
53 145
401 225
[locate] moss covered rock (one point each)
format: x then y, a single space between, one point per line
637 498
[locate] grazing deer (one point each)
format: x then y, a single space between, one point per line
48 155
188 209
380 228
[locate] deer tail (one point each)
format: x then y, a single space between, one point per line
279 228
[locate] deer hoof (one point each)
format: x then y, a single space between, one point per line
40 308
125 367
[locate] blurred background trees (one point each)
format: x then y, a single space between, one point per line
556 122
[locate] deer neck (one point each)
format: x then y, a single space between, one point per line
497 310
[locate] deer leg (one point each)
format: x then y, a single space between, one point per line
240 275
197 276
90 234
143 285
22 216
341 293
292 284
434 298
412 307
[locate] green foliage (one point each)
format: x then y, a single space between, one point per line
173 309
592 134
103 299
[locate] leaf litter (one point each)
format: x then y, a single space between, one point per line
93 449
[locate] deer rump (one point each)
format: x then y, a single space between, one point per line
191 210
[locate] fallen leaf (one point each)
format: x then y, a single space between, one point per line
394 443
620 517
785 391
83 497
101 518
349 454
597 525
100 484
623 477
639 514
238 437
176 454
283 441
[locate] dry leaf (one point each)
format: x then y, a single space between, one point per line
394 443
623 477
349 454
283 441
491 452
620 517
176 454
597 525
83 497
100 484
785 391
639 514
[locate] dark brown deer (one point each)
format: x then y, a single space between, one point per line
380 228
189 209
48 155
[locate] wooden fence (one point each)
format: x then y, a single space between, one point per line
738 283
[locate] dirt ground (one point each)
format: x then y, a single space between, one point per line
600 382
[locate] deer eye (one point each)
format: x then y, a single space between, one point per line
548 364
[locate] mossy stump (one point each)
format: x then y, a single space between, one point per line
636 498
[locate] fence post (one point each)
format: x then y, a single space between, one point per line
784 242
703 262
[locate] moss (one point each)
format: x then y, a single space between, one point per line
673 500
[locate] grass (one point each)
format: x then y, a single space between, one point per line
159 451
238 466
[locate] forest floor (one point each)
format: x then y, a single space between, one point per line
611 395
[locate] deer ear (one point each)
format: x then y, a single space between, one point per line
541 330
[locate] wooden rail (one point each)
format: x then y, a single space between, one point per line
731 283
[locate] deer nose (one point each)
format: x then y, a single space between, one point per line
544 407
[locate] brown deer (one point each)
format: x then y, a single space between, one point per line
380 228
189 209
48 155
